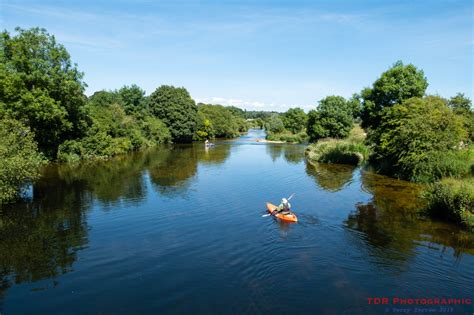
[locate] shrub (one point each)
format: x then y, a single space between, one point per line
288 136
453 163
20 160
338 151
412 132
452 199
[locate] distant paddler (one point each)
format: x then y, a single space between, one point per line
208 144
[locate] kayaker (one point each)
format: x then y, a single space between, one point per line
284 207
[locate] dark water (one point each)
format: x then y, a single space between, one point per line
179 230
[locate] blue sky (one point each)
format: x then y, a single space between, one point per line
264 55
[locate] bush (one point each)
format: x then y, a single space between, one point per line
337 151
452 199
411 133
454 163
20 160
288 136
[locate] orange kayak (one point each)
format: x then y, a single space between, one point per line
291 217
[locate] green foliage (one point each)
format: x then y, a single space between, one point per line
395 85
133 99
452 199
409 133
175 107
288 136
113 132
237 112
348 151
40 86
460 104
333 118
223 123
20 160
439 164
274 124
355 105
294 120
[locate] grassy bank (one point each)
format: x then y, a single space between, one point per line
452 199
340 151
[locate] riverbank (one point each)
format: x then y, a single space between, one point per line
449 195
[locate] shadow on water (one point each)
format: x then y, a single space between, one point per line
331 177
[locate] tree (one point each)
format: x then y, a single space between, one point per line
175 107
333 118
295 119
133 98
460 104
40 86
395 85
355 104
224 124
274 124
411 133
20 160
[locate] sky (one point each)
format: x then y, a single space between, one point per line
257 55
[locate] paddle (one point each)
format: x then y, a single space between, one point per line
269 214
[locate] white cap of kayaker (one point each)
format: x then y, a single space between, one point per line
284 201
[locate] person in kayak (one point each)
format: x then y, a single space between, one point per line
284 207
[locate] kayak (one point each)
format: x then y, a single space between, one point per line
291 217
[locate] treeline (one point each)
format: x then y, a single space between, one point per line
45 115
410 135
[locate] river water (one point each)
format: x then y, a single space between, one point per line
179 230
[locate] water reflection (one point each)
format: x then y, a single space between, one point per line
40 239
331 177
391 228
291 153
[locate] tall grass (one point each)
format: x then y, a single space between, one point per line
347 151
455 163
452 199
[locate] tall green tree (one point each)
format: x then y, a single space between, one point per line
333 118
40 86
395 85
175 107
295 119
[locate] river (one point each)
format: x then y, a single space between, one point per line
179 230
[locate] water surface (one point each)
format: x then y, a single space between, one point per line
178 230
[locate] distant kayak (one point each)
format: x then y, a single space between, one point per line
291 217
